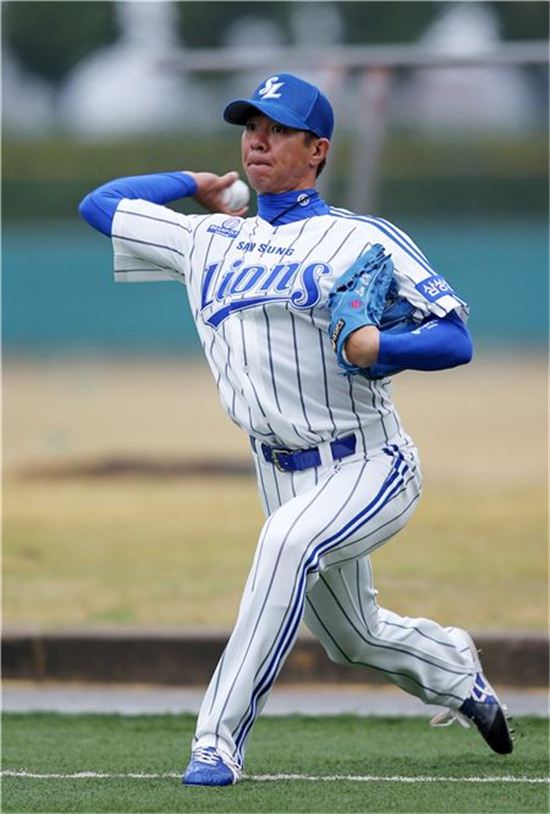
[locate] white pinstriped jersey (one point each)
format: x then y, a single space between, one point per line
258 296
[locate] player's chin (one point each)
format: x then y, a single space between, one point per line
260 177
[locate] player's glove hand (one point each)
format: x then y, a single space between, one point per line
357 299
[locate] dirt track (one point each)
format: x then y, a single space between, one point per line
484 421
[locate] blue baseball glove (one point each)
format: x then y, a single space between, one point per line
358 298
367 294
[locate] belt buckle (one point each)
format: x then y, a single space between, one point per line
275 452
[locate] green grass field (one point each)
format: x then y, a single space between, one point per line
344 764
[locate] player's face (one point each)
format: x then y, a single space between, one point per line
277 158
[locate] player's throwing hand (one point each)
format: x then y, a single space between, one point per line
210 189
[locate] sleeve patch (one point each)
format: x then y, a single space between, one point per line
432 288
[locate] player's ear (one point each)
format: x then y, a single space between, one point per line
319 151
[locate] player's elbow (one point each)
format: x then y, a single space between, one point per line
468 352
86 207
461 351
97 215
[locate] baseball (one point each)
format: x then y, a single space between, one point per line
236 196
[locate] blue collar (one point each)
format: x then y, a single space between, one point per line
284 207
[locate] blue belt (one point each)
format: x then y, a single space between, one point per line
293 460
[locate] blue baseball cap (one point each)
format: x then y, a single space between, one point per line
288 100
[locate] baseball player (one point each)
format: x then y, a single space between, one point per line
305 311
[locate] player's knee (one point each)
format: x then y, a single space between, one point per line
286 552
294 551
350 650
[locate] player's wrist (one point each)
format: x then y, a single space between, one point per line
191 182
362 346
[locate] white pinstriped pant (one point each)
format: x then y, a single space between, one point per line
312 563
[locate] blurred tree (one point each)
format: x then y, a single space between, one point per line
382 22
203 25
523 20
49 38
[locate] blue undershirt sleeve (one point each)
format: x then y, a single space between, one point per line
435 345
99 206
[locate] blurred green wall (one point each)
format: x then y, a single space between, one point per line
478 177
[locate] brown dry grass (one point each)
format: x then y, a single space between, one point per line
175 553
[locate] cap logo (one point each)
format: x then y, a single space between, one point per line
269 90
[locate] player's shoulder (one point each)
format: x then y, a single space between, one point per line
381 230
370 225
368 221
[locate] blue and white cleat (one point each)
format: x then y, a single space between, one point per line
488 714
483 709
208 768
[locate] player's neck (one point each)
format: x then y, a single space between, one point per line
284 207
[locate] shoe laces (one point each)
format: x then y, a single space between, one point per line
211 756
206 754
448 716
